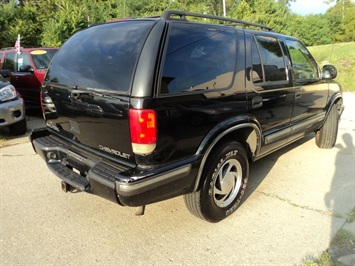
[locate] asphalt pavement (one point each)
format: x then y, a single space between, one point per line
297 199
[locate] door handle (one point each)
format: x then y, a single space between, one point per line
257 102
298 93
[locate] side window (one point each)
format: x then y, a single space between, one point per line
268 60
22 60
9 63
303 65
257 74
198 58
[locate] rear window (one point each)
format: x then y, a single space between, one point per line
101 57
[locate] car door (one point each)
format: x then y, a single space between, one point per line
270 93
23 81
311 92
26 81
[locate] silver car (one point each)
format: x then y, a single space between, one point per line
12 108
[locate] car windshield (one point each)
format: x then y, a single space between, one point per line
42 57
101 57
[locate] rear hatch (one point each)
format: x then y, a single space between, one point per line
85 95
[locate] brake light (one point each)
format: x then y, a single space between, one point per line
143 128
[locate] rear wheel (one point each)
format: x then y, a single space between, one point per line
226 177
327 135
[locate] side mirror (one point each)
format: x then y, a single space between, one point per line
5 73
26 68
329 72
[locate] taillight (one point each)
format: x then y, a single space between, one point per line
143 127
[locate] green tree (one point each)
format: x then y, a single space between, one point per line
26 24
274 14
7 19
313 30
51 22
341 19
348 25
70 16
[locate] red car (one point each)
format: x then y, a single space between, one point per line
26 70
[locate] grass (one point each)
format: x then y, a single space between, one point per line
324 260
341 55
342 244
351 216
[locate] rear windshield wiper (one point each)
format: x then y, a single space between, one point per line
77 93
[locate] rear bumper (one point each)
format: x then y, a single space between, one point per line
124 184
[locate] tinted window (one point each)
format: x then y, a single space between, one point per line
22 59
42 57
198 58
9 63
303 65
271 65
101 57
257 74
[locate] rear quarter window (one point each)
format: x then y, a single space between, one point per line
268 60
101 57
198 58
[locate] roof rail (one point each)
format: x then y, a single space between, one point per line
181 15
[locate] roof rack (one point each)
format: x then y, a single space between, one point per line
181 15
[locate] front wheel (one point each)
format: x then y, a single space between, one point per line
226 176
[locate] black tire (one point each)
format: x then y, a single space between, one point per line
327 135
19 128
226 176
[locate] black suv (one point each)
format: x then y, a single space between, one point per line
142 110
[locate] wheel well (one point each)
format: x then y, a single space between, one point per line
248 136
339 102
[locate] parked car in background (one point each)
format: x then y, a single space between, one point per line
12 108
27 70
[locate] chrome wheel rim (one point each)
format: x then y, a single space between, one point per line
227 183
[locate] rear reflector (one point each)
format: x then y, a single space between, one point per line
143 127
